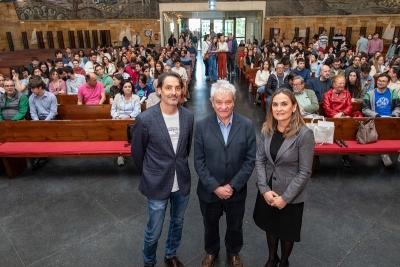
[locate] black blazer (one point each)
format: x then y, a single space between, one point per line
219 164
154 156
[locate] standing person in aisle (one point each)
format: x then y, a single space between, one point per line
161 143
221 58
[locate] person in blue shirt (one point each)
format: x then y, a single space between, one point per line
382 102
301 70
142 89
367 80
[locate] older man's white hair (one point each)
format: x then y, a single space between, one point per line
222 87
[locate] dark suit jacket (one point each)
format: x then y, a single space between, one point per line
292 166
315 86
219 164
154 156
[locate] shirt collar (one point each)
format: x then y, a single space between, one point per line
230 120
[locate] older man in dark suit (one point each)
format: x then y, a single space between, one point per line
161 144
224 156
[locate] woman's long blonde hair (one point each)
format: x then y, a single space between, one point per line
296 122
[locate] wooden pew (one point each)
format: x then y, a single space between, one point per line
346 129
73 99
81 138
86 112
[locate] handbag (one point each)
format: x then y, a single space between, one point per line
366 132
129 134
323 130
206 56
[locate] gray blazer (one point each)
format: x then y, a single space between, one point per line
291 169
154 155
219 164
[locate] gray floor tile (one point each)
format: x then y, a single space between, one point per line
53 220
379 247
116 246
328 233
8 256
391 216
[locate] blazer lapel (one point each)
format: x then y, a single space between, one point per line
234 129
163 127
285 146
182 128
268 139
216 130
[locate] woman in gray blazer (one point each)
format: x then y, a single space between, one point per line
283 162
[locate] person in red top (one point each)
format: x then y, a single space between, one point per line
337 104
337 101
132 71
77 69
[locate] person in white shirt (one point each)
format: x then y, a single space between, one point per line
74 81
89 66
181 71
204 49
221 58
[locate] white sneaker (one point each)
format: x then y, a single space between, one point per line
386 160
398 159
120 161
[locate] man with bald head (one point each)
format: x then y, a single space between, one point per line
92 91
322 84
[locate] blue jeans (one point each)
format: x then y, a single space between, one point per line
261 89
267 102
212 67
156 210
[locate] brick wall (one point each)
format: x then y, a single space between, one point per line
287 25
9 22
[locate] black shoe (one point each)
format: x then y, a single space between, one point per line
346 161
38 163
272 263
173 262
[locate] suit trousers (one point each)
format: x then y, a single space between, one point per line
231 62
212 212
221 65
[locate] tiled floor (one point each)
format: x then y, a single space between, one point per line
88 212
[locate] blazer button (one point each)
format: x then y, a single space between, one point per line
274 178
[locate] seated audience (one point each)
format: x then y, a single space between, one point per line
382 102
378 67
367 81
131 70
337 104
20 78
89 66
306 98
353 85
394 74
92 91
57 85
2 78
337 101
142 89
109 67
42 104
74 81
321 84
34 63
301 70
355 66
262 76
335 69
117 86
275 81
13 104
104 78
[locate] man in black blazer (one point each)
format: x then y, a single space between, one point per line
224 156
161 143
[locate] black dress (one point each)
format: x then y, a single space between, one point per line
285 223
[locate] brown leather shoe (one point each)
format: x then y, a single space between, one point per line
208 260
173 262
236 261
